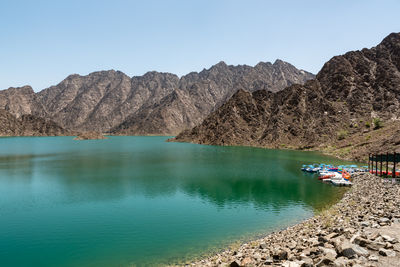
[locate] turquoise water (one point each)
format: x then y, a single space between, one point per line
142 201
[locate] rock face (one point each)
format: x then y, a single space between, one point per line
20 101
28 125
155 103
198 94
102 100
352 95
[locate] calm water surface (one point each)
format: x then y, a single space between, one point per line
141 201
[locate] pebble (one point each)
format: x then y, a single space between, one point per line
373 258
360 251
389 239
365 224
387 252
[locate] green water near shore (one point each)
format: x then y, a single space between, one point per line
142 201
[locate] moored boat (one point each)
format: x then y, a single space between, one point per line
339 176
341 182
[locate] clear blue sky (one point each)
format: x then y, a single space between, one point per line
42 42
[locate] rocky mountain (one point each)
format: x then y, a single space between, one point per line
29 125
198 94
102 100
21 100
155 103
352 97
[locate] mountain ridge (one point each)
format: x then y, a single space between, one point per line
350 96
154 103
215 85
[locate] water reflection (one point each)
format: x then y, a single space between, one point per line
142 200
223 176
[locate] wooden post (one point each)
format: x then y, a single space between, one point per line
387 164
369 161
394 165
376 164
381 165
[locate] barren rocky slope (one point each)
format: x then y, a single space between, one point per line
198 94
20 101
155 103
353 95
102 100
29 125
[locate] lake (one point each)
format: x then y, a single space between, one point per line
137 201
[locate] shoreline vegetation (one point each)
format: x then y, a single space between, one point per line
362 229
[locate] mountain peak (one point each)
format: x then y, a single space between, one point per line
25 88
262 64
101 73
219 65
106 73
280 62
20 100
392 43
394 37
151 74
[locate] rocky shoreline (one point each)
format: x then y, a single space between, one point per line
90 136
362 229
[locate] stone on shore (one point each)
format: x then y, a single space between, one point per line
387 252
90 136
362 229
